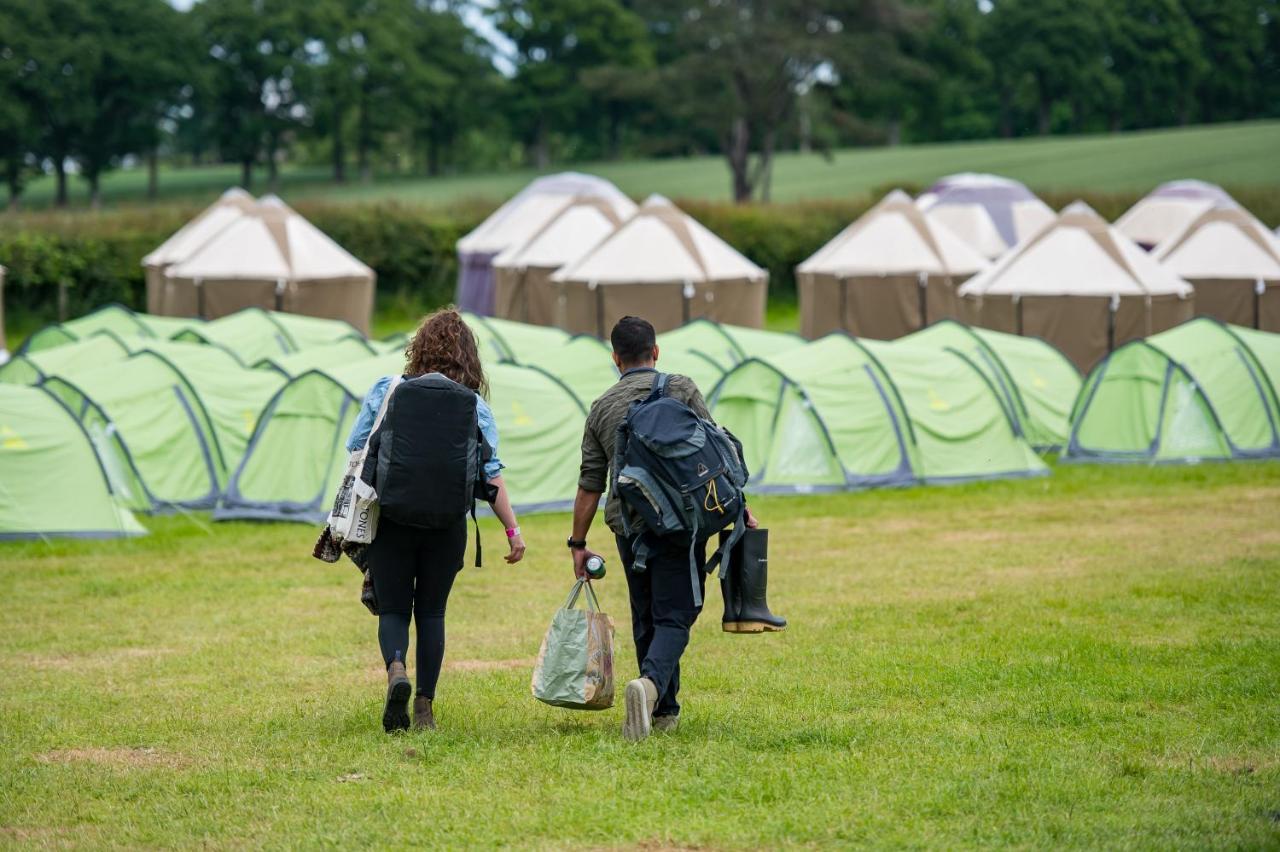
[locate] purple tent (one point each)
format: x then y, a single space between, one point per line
991 213
517 221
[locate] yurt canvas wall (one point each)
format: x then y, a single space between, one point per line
1082 286
664 266
271 258
886 275
515 222
1233 261
522 274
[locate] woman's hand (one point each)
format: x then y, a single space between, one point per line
516 543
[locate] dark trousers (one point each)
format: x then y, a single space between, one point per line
662 613
413 572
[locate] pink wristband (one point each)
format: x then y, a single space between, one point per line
513 532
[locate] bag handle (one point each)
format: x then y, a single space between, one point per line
593 604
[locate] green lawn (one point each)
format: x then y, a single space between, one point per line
1230 154
1086 660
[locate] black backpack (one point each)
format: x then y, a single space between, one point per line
426 460
683 476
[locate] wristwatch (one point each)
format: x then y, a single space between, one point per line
577 544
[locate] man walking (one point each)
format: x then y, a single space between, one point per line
663 608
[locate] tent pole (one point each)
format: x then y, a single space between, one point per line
844 304
922 292
1259 287
686 308
599 313
1111 326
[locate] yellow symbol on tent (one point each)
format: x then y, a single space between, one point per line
250 419
522 416
11 440
937 403
1038 381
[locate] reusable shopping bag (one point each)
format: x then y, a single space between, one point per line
575 663
354 516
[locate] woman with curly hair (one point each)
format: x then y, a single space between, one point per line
413 569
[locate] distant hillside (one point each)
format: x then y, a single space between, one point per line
1228 154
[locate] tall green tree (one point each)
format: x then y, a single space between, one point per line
56 53
743 64
556 41
142 51
1158 59
252 50
1059 46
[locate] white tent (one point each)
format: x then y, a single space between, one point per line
1168 209
1080 284
665 266
516 221
272 258
190 238
990 213
1233 261
887 274
523 272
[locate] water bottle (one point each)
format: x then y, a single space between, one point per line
595 567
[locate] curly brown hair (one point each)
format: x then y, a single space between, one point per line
444 344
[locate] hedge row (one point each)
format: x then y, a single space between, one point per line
97 256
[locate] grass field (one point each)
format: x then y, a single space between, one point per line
1230 154
1086 660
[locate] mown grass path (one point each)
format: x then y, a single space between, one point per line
1089 659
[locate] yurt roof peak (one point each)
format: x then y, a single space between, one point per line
1079 254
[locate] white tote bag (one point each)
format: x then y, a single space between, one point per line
354 516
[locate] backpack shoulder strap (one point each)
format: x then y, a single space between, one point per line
659 389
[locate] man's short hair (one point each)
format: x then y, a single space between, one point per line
633 339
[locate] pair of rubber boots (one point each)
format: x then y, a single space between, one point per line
745 585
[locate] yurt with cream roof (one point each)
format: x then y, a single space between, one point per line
1168 209
190 238
1082 286
512 224
888 274
665 266
522 274
271 258
992 214
1233 261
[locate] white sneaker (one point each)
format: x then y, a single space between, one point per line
640 696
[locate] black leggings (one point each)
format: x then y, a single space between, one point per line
413 571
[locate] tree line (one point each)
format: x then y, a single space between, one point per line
412 86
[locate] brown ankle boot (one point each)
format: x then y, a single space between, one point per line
395 713
423 718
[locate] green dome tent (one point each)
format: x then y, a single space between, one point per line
253 334
1201 390
847 413
116 319
704 350
52 483
158 421
35 365
1036 382
344 351
296 456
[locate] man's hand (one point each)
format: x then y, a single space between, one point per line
517 549
580 558
751 521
